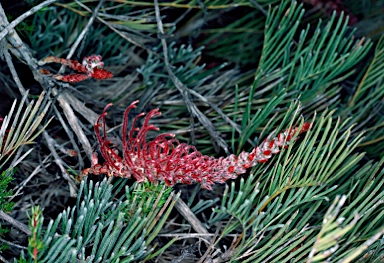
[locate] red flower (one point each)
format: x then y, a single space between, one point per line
35 252
166 159
91 67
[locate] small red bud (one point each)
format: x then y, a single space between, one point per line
267 152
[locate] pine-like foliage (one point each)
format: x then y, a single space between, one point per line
17 129
21 127
99 228
227 76
5 179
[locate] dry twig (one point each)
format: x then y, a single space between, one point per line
22 52
193 110
186 212
3 259
18 20
37 170
82 34
59 162
130 40
15 223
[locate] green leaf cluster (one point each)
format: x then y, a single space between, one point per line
21 127
17 128
5 179
57 28
102 227
278 209
5 205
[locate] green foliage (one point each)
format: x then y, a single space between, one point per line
279 206
145 191
25 27
17 129
332 237
184 59
226 43
185 65
3 246
295 63
366 103
5 179
21 127
102 227
59 27
308 70
205 4
5 205
35 244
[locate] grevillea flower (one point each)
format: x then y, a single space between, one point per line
91 67
166 159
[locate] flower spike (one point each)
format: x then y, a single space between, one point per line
166 159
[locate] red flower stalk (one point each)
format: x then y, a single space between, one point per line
91 67
166 159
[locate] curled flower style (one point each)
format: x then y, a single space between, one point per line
166 159
91 67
